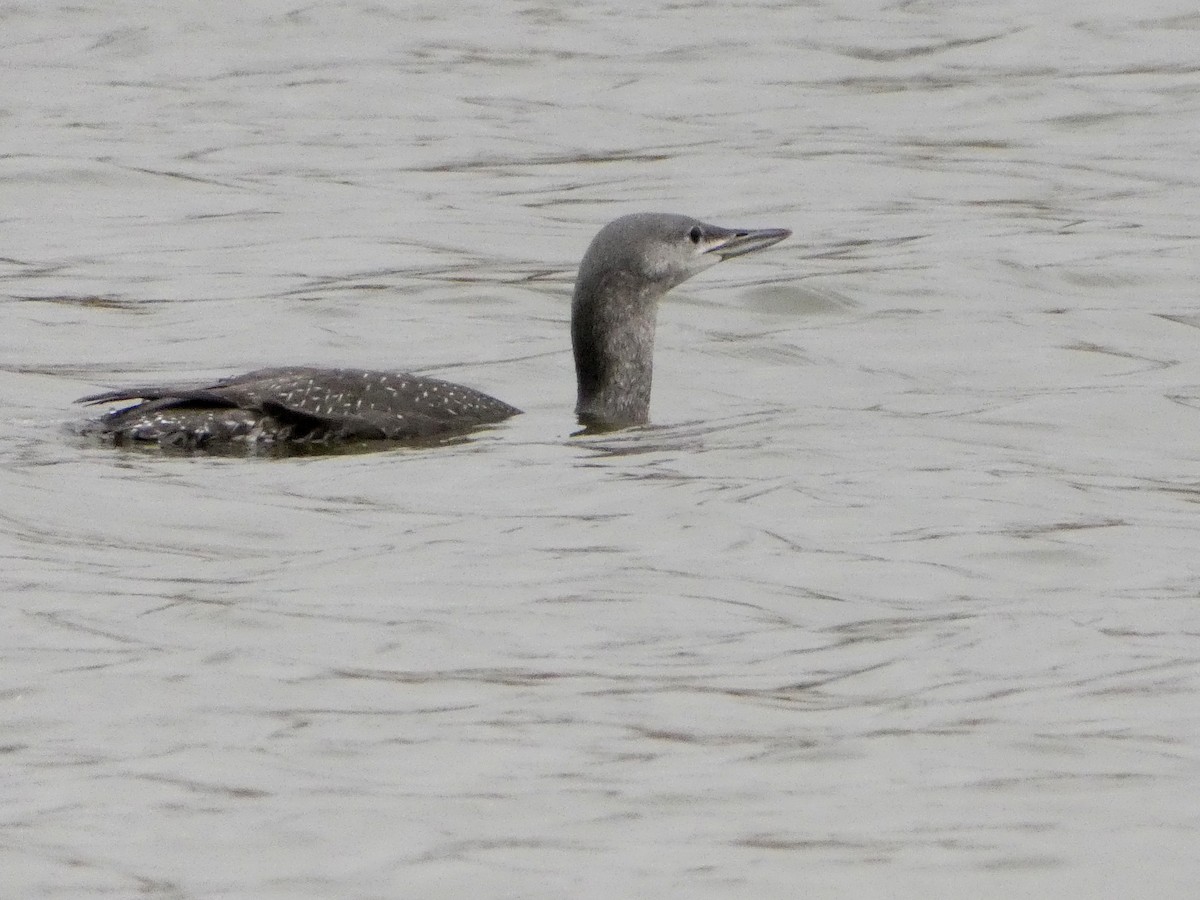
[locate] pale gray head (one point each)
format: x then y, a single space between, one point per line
630 264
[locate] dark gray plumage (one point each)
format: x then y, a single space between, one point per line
630 264
298 405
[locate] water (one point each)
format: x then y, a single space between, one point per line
898 598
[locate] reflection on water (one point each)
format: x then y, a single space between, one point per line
897 596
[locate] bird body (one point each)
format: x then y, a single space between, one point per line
298 405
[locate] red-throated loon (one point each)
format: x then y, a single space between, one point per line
631 263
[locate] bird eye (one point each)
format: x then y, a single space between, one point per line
695 234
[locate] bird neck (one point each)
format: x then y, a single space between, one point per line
612 333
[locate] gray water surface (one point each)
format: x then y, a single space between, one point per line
898 597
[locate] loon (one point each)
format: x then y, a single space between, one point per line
631 263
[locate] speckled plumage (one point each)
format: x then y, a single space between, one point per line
297 405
